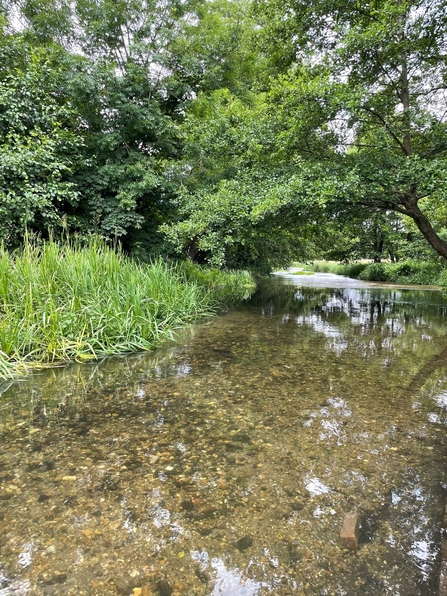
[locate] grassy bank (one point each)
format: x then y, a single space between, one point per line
402 272
63 302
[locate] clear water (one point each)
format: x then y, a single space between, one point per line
225 465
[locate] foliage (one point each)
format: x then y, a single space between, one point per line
59 302
348 269
236 201
404 272
375 235
38 151
377 77
91 98
242 134
342 124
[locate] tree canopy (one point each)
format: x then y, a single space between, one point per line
237 133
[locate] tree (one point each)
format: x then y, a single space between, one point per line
381 72
38 148
127 72
353 119
234 199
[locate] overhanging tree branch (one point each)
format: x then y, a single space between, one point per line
386 126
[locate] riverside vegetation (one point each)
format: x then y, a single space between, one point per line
403 272
244 134
65 301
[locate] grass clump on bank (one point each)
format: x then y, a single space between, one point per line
63 302
229 287
348 269
403 272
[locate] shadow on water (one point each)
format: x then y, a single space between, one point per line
224 465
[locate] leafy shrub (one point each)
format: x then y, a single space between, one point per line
348 269
352 269
375 272
409 271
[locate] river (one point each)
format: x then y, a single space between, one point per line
226 463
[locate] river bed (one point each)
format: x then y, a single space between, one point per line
225 464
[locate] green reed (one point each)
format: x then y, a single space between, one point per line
62 301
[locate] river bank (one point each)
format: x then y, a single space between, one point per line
405 272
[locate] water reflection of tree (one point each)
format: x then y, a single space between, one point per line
397 332
49 393
293 299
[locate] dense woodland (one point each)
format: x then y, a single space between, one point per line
243 133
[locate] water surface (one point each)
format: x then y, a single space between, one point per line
224 465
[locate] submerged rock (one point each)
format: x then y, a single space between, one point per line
187 505
206 513
295 551
241 438
203 577
244 543
48 465
58 577
124 586
164 588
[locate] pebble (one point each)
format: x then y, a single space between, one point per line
58 577
187 505
222 484
203 576
124 586
246 499
164 588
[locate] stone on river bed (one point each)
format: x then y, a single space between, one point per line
244 543
241 438
164 588
349 533
187 505
216 479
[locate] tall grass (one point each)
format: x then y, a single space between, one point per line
62 302
227 287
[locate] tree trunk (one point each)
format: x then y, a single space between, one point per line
378 248
404 85
426 229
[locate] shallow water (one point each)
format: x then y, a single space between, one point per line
226 464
